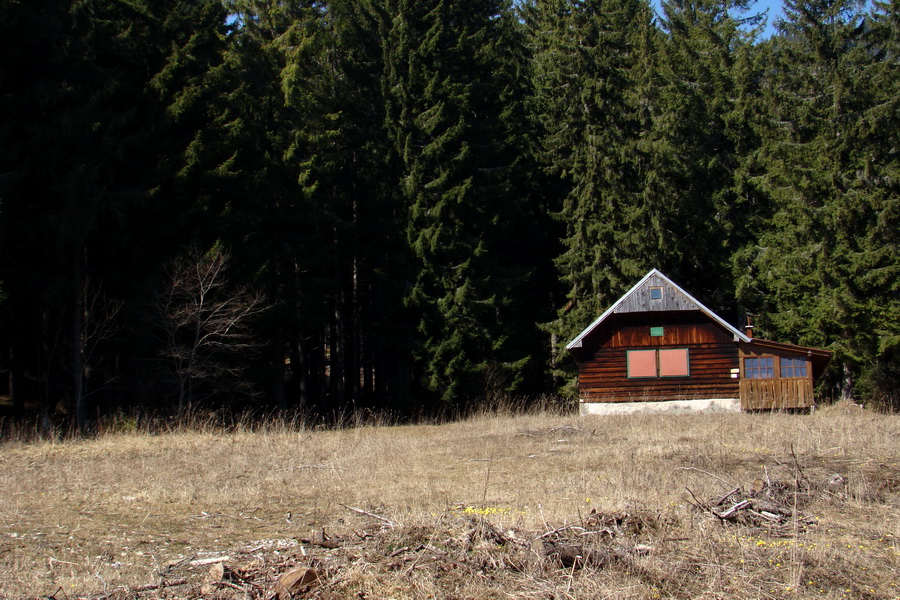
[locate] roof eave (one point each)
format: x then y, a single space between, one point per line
813 351
577 342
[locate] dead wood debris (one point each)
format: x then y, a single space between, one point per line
455 549
774 505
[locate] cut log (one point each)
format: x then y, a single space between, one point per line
739 506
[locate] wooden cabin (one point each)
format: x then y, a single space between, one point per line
659 349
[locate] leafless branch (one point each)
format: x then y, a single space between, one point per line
207 323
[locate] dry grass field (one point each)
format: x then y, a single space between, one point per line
497 506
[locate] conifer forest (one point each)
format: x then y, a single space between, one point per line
412 205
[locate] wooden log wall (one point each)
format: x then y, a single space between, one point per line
605 379
713 353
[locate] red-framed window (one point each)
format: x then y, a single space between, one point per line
641 363
674 362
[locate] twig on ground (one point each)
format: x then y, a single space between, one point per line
384 520
722 499
157 586
798 470
543 519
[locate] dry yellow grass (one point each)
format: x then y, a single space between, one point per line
97 518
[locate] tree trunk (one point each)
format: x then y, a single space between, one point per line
300 372
336 363
349 342
45 383
183 377
16 389
77 344
847 383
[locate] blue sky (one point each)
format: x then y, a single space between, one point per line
775 12
774 7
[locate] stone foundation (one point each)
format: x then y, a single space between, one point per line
667 407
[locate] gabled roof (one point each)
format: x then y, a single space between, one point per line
636 300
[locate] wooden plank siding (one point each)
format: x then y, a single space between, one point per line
632 330
777 392
602 360
640 301
769 394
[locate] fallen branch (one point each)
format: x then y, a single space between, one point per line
740 505
228 584
555 531
697 503
141 588
722 499
771 517
155 586
373 515
209 561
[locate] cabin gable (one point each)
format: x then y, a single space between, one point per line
655 293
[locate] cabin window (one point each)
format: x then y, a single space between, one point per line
793 367
641 363
674 363
759 368
656 331
665 362
656 293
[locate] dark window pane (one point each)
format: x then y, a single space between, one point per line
759 368
793 367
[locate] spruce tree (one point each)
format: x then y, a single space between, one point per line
100 115
881 180
312 189
271 122
585 56
445 84
827 261
697 140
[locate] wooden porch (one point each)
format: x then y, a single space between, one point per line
776 394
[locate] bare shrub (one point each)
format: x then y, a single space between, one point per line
207 326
